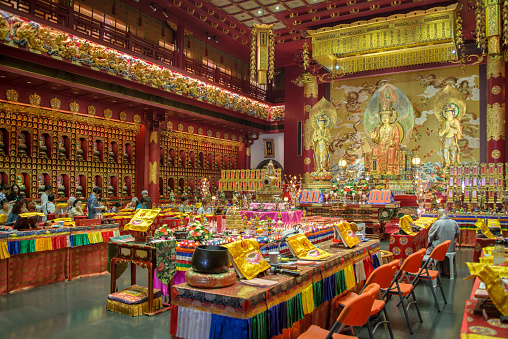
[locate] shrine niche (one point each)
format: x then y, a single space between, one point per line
192 159
4 178
23 181
181 159
4 141
64 145
127 155
171 185
45 146
63 186
42 180
24 144
97 181
98 149
82 149
112 188
80 186
162 157
126 187
113 152
181 186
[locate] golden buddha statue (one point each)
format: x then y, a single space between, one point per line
322 118
22 147
43 149
111 153
40 182
21 183
125 157
79 188
388 121
450 107
61 187
79 151
111 189
62 151
96 153
2 144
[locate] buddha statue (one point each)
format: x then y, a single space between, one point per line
180 163
22 147
207 166
79 188
43 149
111 153
40 184
450 107
96 154
21 183
79 151
2 145
388 120
125 189
125 157
170 161
61 187
190 163
199 163
111 189
62 151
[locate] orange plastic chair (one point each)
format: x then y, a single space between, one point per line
438 254
383 276
412 264
352 315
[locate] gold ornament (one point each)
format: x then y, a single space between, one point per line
154 137
190 129
217 134
12 95
35 99
169 125
307 108
233 137
74 107
209 132
55 103
496 90
495 67
122 115
262 53
152 172
306 161
496 154
200 130
92 110
307 135
136 119
240 138
180 127
226 136
496 122
247 151
108 113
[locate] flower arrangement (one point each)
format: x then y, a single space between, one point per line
198 232
163 233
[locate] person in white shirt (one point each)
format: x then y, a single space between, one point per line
48 207
44 197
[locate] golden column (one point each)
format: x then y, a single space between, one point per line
496 110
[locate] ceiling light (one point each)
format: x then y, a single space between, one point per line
259 12
165 14
277 7
2 76
153 7
28 82
114 100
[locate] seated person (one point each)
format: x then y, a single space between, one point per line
21 206
184 207
48 207
142 204
116 208
4 192
132 205
206 207
441 230
6 207
76 209
70 205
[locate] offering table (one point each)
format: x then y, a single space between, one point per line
287 308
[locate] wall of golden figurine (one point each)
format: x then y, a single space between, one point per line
51 146
186 158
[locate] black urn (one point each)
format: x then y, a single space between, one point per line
210 259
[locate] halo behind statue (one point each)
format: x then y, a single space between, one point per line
323 110
389 96
451 97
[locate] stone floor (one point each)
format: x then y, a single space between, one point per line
76 309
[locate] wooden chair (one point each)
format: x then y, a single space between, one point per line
386 257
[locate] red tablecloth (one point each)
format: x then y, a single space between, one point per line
403 246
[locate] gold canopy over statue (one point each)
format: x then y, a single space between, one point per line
388 120
322 119
449 108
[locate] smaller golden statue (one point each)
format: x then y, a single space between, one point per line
449 108
322 119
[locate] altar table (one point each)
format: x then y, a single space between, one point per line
161 220
402 245
40 257
290 218
282 311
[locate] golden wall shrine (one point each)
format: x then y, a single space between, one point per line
70 151
351 98
187 158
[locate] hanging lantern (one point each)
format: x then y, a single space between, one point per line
262 53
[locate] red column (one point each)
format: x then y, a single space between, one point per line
180 45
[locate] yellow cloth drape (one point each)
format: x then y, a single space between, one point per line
95 237
3 217
481 225
349 272
43 244
246 258
302 248
494 284
346 234
404 223
4 250
308 299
